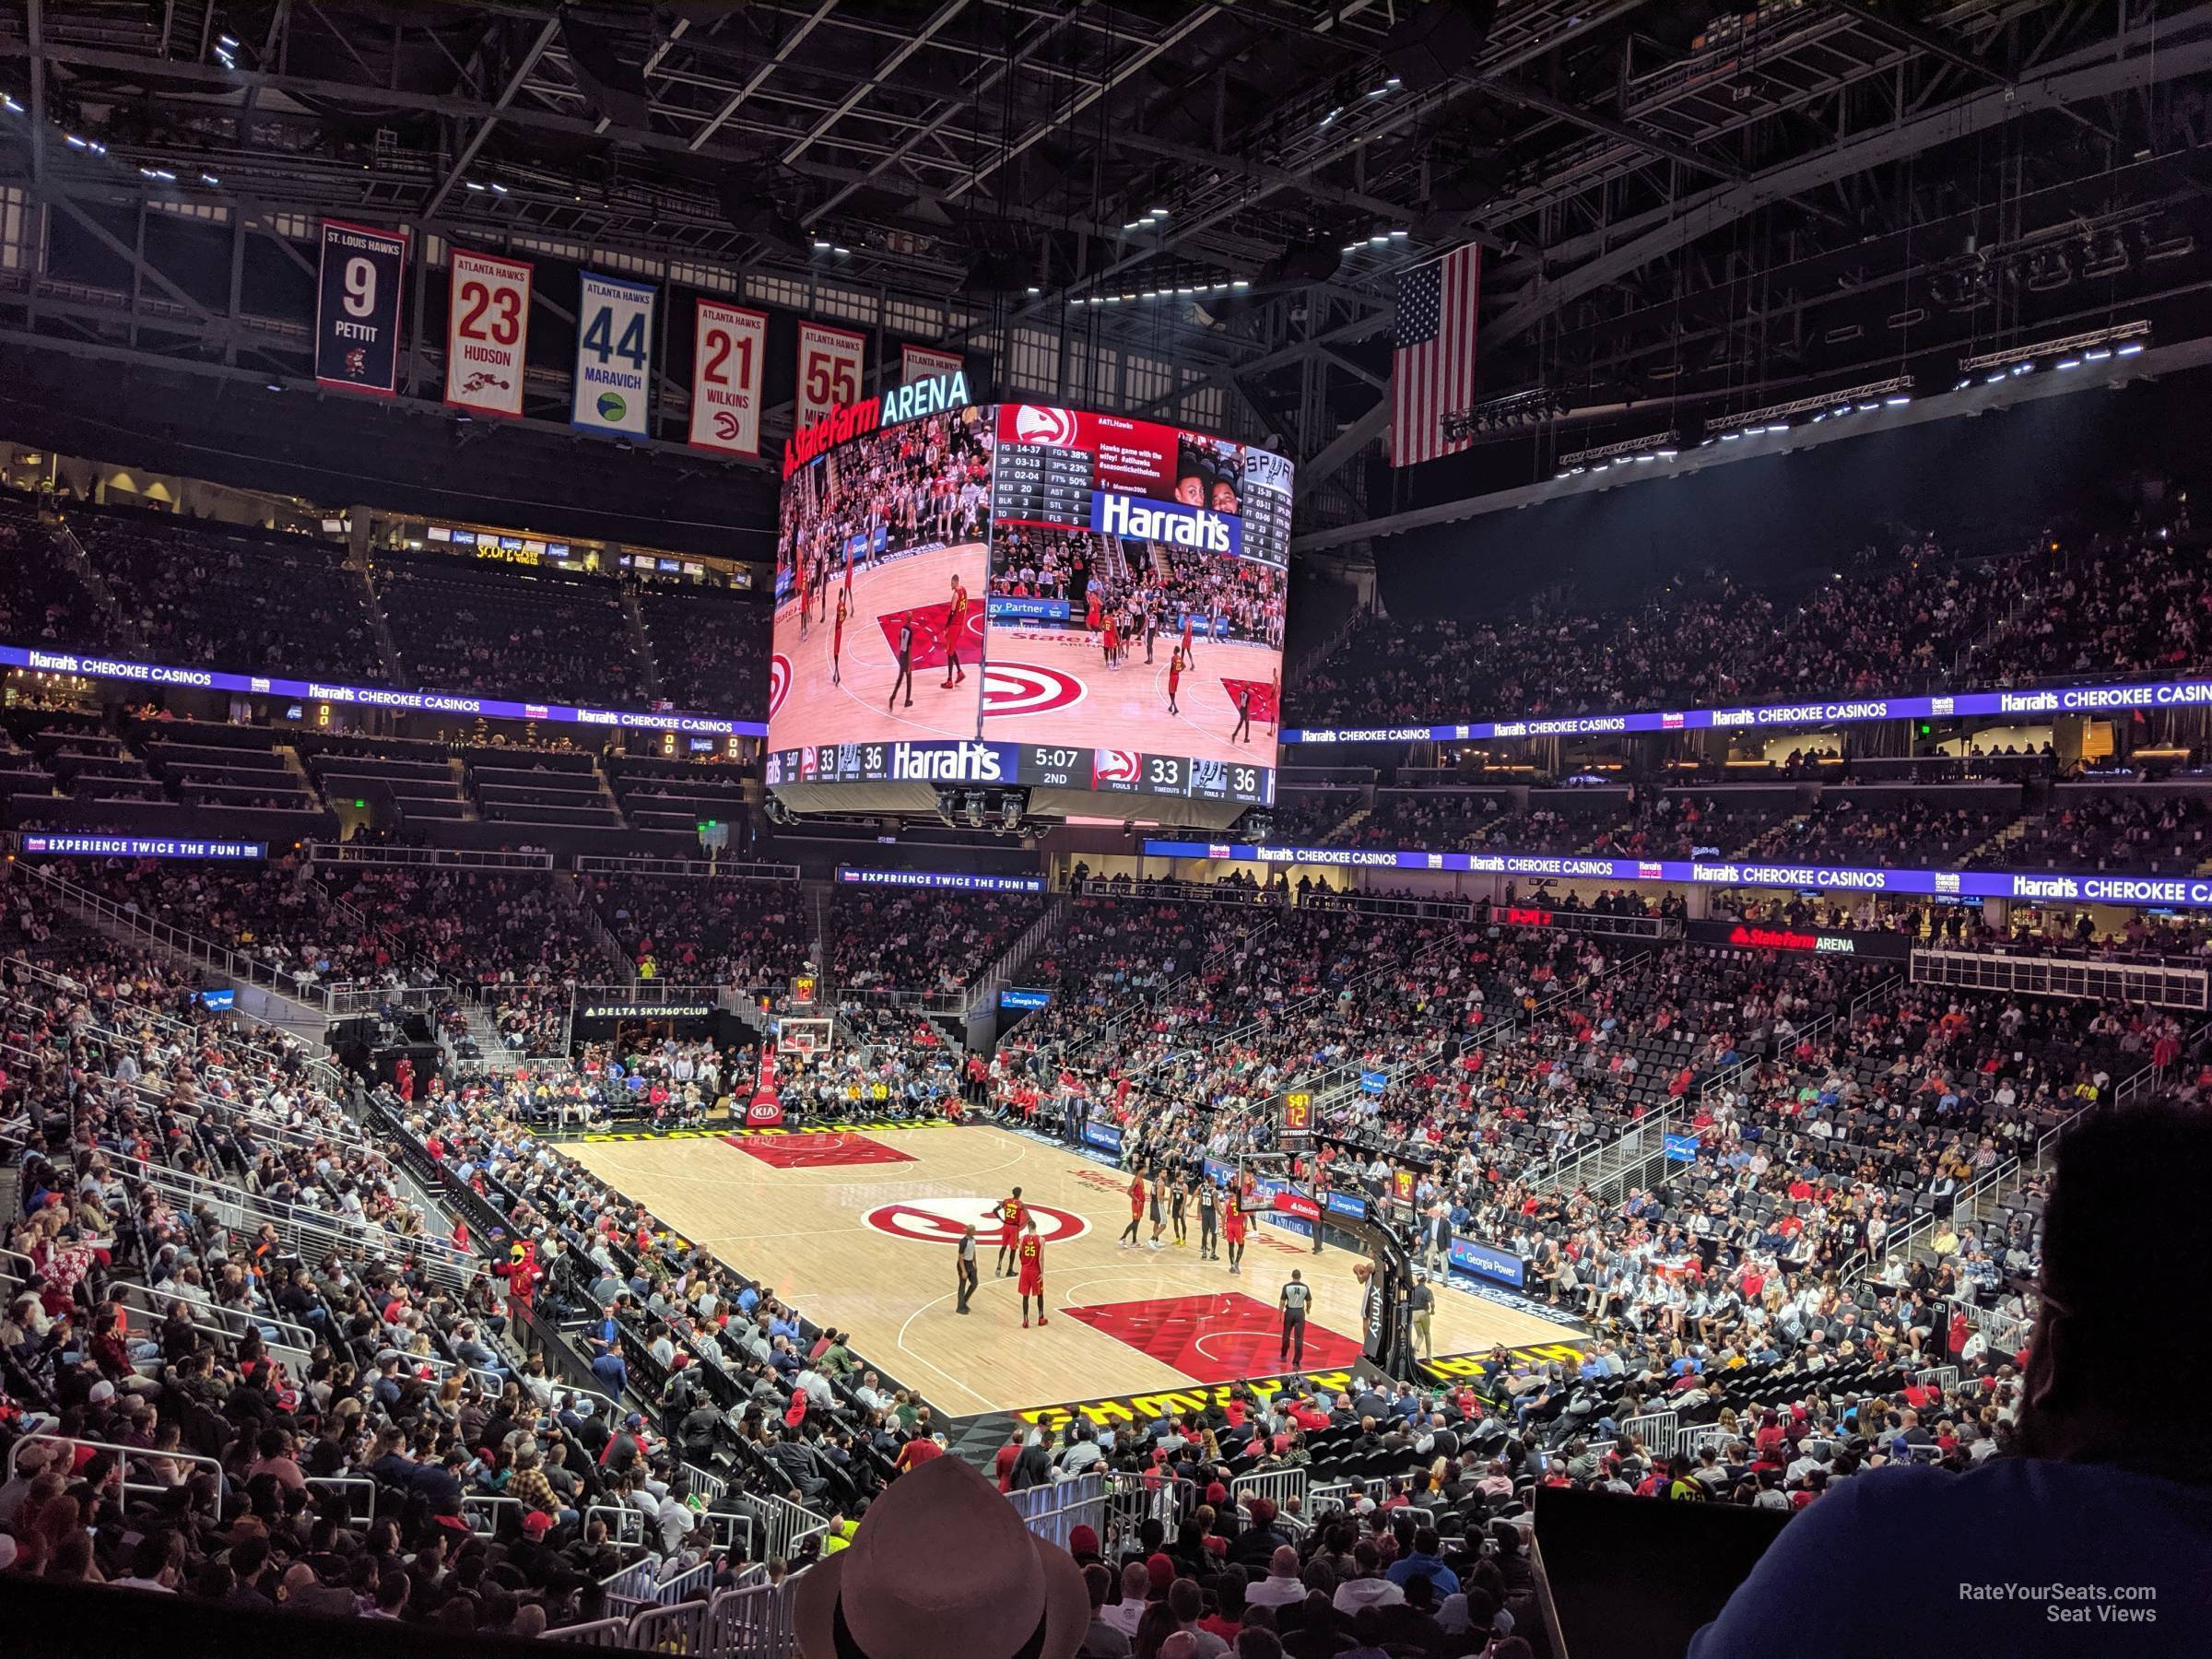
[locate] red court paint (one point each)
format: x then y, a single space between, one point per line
1263 697
1214 1339
817 1150
929 633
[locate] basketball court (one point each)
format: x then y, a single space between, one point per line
811 704
857 1231
1054 687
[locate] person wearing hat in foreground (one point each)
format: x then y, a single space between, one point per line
942 1568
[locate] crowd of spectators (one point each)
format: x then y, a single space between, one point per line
710 650
708 931
1711 640
2124 602
1943 831
884 1064
1310 817
224 597
41 601
912 939
922 483
1554 821
172 1301
1680 824
459 629
2142 833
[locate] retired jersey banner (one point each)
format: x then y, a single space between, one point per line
356 306
487 332
829 364
726 354
614 355
922 362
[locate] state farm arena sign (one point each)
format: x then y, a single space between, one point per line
1825 941
940 1220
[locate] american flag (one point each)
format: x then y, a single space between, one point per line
1432 371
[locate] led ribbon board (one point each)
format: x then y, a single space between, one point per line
2039 887
89 667
2011 704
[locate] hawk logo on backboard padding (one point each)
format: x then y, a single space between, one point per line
939 1220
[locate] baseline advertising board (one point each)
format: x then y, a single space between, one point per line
1020 595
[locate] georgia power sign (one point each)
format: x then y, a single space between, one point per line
940 1220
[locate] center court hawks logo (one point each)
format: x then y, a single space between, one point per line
778 682
1025 689
1035 424
939 1220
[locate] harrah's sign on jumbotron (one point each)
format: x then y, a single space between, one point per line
871 414
1168 521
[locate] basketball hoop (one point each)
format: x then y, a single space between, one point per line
805 1039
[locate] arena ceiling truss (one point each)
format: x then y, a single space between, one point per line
1671 203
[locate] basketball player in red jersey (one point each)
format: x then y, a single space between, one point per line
1031 1283
837 642
1233 1232
1137 1209
956 634
1013 1212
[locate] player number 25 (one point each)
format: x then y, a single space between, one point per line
831 380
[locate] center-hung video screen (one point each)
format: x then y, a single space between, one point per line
1020 594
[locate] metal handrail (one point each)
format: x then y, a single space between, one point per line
346 1485
644 864
109 1036
124 1455
252 969
984 994
438 1256
357 852
290 1334
156 1101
